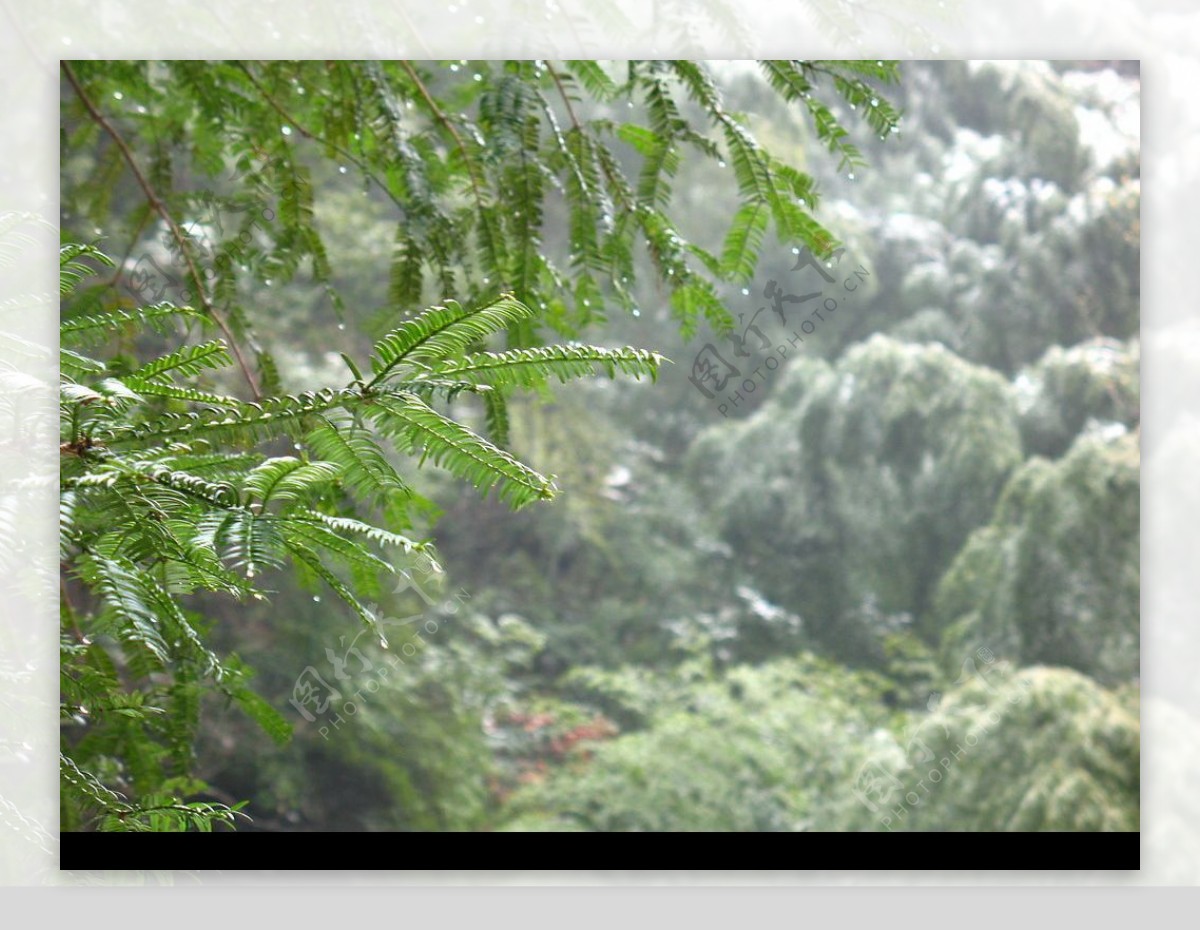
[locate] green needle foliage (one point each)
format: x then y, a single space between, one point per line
190 473
162 503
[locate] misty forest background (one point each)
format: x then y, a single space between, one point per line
894 586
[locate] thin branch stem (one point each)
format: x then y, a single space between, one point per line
562 92
309 134
440 116
176 233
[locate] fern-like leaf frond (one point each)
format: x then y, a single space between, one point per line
531 367
419 429
444 331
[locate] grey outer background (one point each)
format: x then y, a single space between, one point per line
34 36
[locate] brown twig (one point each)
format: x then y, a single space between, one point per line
613 181
473 171
562 92
309 134
440 116
177 234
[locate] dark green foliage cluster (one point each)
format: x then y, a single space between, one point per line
1053 578
901 443
206 474
158 503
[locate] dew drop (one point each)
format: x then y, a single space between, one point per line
851 175
745 292
383 643
637 312
720 164
342 169
478 76
795 250
141 109
454 67
117 95
874 101
316 598
286 130
342 326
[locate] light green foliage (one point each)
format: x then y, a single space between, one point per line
919 530
1038 749
804 745
475 168
773 748
1054 578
